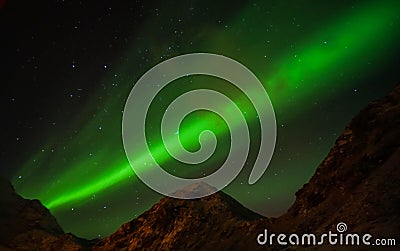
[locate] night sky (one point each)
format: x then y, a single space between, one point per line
67 68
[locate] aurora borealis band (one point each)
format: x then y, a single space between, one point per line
67 82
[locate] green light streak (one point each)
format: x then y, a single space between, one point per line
98 183
347 39
101 183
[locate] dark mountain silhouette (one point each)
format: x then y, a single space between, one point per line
357 183
28 225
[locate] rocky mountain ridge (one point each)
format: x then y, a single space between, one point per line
28 225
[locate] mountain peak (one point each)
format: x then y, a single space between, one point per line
195 190
177 220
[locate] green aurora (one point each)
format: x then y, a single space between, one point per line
321 63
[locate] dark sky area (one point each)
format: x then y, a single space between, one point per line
67 68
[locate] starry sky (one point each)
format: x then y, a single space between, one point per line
68 67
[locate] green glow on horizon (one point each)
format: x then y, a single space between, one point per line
316 61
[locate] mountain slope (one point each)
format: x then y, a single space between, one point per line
215 221
358 182
28 225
